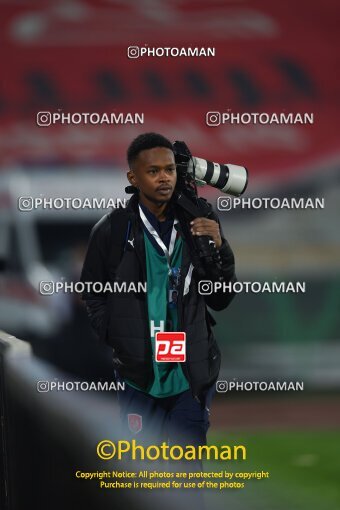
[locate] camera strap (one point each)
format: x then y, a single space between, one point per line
154 233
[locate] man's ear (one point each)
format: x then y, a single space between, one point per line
132 178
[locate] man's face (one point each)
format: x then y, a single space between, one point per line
154 173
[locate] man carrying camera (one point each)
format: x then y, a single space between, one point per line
152 241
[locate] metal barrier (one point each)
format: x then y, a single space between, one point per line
47 436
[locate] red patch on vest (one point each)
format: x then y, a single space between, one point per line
135 423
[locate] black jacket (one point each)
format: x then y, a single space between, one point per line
121 319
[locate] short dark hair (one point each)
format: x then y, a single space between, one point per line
144 142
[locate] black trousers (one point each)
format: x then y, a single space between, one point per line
179 419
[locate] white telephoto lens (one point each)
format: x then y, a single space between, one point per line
231 179
237 181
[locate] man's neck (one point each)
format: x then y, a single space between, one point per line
158 209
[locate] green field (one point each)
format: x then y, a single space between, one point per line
304 471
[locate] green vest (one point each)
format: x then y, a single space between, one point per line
168 377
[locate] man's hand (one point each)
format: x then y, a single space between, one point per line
205 227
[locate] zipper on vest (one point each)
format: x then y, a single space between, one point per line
180 314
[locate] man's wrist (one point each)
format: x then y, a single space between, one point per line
222 245
218 244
